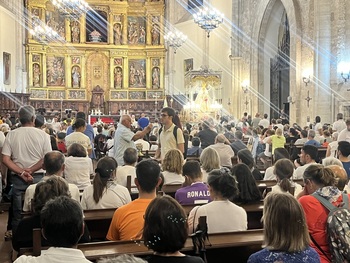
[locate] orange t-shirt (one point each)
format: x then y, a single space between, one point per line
127 222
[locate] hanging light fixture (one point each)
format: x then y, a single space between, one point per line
208 19
71 8
44 34
175 40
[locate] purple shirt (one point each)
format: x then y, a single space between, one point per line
197 193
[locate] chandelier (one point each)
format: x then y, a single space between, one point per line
175 40
71 8
44 33
208 19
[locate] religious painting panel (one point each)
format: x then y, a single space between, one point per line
36 58
119 95
77 95
55 71
155 30
35 17
155 62
137 73
36 75
38 94
118 77
137 95
76 77
154 95
76 60
6 58
188 65
136 1
57 94
118 62
136 30
56 22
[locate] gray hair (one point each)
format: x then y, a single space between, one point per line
311 133
26 114
331 161
122 259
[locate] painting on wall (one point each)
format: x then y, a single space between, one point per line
38 94
7 68
56 22
188 65
136 30
55 71
137 73
119 95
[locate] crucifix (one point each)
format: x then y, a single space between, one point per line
246 103
308 98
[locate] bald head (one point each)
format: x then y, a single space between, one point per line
126 121
220 138
341 176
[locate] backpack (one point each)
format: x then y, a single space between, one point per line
338 228
174 131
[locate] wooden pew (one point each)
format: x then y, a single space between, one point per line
98 221
264 184
170 189
238 245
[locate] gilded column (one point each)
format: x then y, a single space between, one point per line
83 72
125 29
111 72
110 28
83 29
68 71
68 26
44 70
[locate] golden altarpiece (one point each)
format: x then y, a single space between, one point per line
110 59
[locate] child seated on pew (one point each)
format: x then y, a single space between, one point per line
166 231
286 237
194 190
222 187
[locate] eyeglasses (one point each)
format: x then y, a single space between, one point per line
164 115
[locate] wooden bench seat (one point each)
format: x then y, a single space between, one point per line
250 240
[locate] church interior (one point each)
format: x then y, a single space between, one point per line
134 56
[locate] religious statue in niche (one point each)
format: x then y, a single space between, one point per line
136 30
118 77
155 31
137 73
117 31
155 78
97 100
76 77
55 71
36 75
75 31
35 17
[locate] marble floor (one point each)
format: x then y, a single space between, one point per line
5 246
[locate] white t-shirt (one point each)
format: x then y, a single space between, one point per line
297 189
225 153
123 172
145 144
26 146
233 219
80 138
339 125
344 135
299 172
112 197
269 175
2 139
55 255
78 170
29 194
173 178
264 122
267 151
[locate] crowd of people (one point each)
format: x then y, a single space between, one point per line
48 167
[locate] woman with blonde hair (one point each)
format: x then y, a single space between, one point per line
286 237
321 181
172 167
209 160
277 140
104 191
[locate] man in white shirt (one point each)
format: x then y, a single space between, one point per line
62 226
308 156
224 150
264 122
344 135
124 138
23 154
54 166
339 124
130 159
